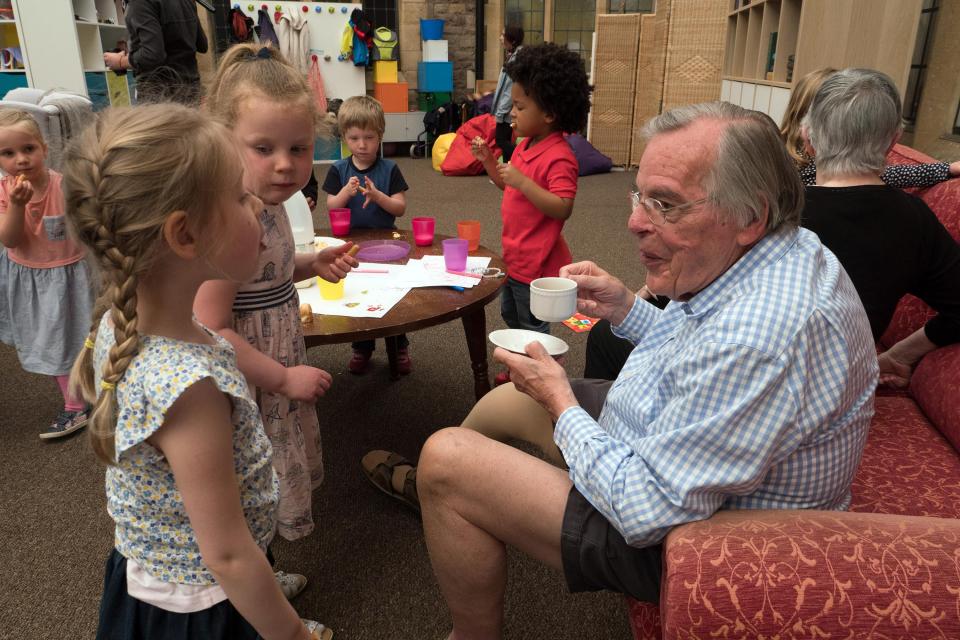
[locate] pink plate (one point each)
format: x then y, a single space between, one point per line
382 250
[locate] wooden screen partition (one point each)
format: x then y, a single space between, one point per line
651 59
614 79
695 43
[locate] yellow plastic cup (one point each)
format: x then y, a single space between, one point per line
331 290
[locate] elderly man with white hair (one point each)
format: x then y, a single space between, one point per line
889 241
752 389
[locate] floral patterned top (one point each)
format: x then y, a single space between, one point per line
152 527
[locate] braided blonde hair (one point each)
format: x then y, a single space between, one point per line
247 70
122 178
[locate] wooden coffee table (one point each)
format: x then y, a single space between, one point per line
422 307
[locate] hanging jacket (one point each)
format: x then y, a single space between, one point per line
241 26
265 29
346 42
293 31
362 38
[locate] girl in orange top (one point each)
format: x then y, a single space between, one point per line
45 286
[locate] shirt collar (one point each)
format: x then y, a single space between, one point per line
767 251
530 153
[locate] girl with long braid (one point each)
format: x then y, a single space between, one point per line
157 195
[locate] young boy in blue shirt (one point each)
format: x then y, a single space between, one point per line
373 189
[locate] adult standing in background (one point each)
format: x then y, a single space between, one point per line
512 40
165 37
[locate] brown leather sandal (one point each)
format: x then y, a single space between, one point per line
379 466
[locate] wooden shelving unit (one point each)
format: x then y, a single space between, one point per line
772 43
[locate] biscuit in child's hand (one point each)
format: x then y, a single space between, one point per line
20 178
306 313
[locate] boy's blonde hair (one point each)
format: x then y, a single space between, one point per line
122 178
800 100
247 70
22 120
362 112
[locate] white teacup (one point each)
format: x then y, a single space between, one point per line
553 299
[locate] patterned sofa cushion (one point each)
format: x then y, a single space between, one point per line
812 574
907 468
935 385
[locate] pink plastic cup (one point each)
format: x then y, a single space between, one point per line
455 254
340 221
423 231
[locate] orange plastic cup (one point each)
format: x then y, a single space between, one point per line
469 230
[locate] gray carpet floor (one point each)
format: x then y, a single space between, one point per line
370 577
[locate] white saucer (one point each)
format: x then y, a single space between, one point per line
516 339
322 242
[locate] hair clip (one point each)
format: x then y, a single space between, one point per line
88 344
107 386
264 53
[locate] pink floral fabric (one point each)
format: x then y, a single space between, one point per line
907 468
812 574
935 385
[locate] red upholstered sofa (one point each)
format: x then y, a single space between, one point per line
887 569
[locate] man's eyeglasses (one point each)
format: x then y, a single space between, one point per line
656 211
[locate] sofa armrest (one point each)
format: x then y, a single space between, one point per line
749 574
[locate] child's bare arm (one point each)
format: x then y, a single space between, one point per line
11 223
213 306
197 440
549 204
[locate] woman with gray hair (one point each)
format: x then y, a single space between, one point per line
852 124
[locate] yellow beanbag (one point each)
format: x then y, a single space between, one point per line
440 148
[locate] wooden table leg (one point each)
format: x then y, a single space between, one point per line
392 357
475 328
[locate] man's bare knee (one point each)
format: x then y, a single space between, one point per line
441 457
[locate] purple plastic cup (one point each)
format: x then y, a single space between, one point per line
423 231
340 221
455 254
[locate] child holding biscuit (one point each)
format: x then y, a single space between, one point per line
551 96
45 286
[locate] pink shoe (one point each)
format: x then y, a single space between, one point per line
359 362
404 364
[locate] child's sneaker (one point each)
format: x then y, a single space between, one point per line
292 584
317 630
359 362
65 424
404 364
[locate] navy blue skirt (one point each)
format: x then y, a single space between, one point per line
123 617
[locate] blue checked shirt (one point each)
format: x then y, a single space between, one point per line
755 394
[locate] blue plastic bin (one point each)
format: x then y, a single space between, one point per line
435 76
431 29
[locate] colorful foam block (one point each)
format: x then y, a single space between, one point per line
435 76
394 96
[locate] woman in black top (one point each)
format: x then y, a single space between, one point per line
889 242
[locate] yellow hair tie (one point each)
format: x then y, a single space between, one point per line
88 344
106 386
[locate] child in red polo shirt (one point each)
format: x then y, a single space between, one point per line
550 96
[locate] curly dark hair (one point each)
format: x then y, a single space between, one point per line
555 78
